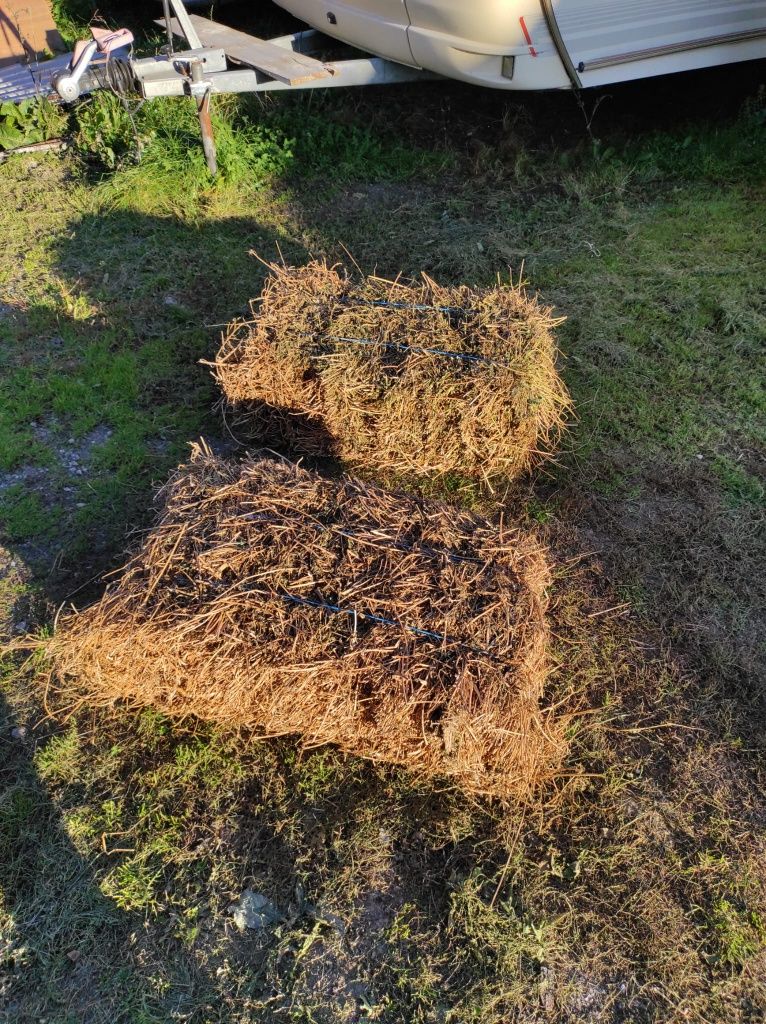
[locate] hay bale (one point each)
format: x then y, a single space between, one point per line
269 597
398 378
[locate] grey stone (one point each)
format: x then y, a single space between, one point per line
254 910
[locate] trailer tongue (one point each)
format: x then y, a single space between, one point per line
214 59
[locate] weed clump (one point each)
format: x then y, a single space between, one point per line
270 597
409 379
156 156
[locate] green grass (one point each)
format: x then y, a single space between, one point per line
160 165
637 891
24 514
60 759
741 933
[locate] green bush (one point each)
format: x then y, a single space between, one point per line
34 120
155 152
72 18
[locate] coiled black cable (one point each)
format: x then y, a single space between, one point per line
114 74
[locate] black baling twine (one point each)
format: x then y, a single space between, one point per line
353 613
451 556
399 346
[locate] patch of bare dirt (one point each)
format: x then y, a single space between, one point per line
697 565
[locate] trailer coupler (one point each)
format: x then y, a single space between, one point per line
71 83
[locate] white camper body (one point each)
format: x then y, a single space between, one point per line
545 44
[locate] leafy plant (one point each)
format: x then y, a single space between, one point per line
33 120
105 131
72 18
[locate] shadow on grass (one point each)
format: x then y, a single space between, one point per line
56 920
104 387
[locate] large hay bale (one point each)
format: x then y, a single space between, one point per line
397 378
270 597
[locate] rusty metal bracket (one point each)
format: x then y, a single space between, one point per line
200 90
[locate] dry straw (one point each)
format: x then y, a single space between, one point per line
393 377
269 597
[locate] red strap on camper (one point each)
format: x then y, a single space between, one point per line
527 36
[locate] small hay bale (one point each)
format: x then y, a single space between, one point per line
267 596
404 379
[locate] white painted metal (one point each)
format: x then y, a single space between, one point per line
469 41
637 38
506 44
612 40
377 26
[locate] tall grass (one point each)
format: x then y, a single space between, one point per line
152 155
155 156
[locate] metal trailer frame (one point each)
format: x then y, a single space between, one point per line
201 71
